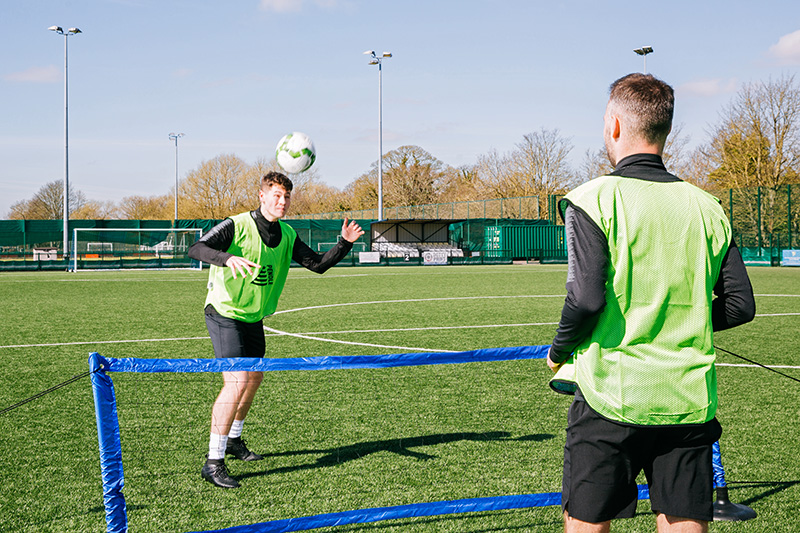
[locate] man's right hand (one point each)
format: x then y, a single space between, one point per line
241 265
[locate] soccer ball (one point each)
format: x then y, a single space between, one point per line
295 152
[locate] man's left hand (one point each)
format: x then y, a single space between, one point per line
351 231
553 366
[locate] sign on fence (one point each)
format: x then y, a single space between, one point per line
369 257
791 258
434 257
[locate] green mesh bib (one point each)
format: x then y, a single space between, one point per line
650 359
251 298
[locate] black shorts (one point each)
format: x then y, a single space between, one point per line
602 460
234 338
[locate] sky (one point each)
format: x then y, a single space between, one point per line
465 78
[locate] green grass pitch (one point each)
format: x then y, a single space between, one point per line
347 439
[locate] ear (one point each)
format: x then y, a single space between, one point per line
616 127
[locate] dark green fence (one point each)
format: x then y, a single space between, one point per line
37 244
765 222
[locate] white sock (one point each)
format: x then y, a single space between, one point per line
236 429
217 445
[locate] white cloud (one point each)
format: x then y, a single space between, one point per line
787 50
50 74
711 87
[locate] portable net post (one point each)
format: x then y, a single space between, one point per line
105 405
724 509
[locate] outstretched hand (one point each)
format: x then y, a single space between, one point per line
241 265
351 231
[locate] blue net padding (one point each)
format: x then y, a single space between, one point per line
362 516
105 406
716 463
324 363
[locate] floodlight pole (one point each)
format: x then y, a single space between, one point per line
643 51
175 137
376 60
65 217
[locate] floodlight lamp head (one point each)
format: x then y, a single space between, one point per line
374 61
56 29
369 53
74 30
387 54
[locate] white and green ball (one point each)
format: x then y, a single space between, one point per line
295 152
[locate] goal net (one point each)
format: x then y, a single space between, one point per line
358 246
104 249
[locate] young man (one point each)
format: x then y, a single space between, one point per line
250 254
647 253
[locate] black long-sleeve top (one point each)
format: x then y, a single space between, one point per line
212 247
588 264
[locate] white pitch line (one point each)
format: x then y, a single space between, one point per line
745 365
299 336
340 332
426 328
427 272
85 280
78 343
347 304
278 332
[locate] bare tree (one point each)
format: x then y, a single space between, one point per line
218 188
755 148
541 162
96 210
461 184
47 203
677 156
595 163
362 192
538 166
317 197
494 173
147 207
412 176
698 169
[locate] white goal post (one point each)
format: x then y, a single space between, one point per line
133 248
358 246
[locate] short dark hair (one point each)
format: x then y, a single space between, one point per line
647 102
276 178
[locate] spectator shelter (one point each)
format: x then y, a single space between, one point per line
413 238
